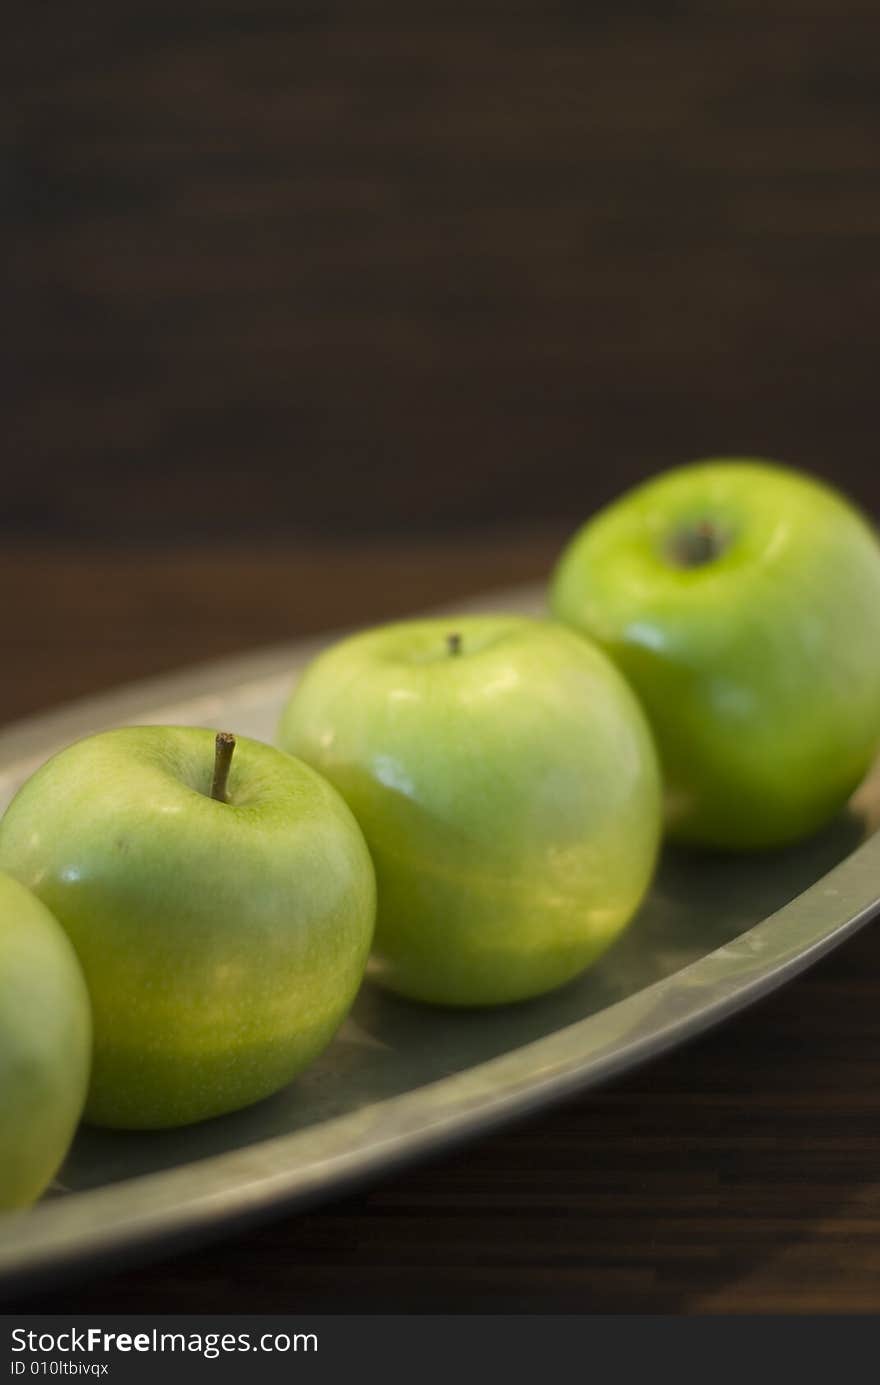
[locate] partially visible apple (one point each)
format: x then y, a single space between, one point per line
742 602
45 1045
506 782
222 923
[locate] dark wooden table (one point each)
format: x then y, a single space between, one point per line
739 1175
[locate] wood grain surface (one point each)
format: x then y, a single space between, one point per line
741 1174
369 266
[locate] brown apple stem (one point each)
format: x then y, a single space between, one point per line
223 748
699 544
453 643
704 544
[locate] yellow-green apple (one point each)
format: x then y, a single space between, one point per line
742 602
508 788
222 912
45 1045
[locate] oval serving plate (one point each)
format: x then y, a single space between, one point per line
400 1080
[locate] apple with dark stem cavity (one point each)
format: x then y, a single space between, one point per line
742 602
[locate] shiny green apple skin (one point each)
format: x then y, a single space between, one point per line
509 794
759 668
45 1045
222 942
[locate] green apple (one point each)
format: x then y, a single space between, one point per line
222 923
742 602
45 1045
508 788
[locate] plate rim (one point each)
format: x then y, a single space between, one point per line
191 1202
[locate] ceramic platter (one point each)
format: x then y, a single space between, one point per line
400 1080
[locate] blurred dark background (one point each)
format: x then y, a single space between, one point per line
358 270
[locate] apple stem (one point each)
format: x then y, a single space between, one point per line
697 545
224 745
453 643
